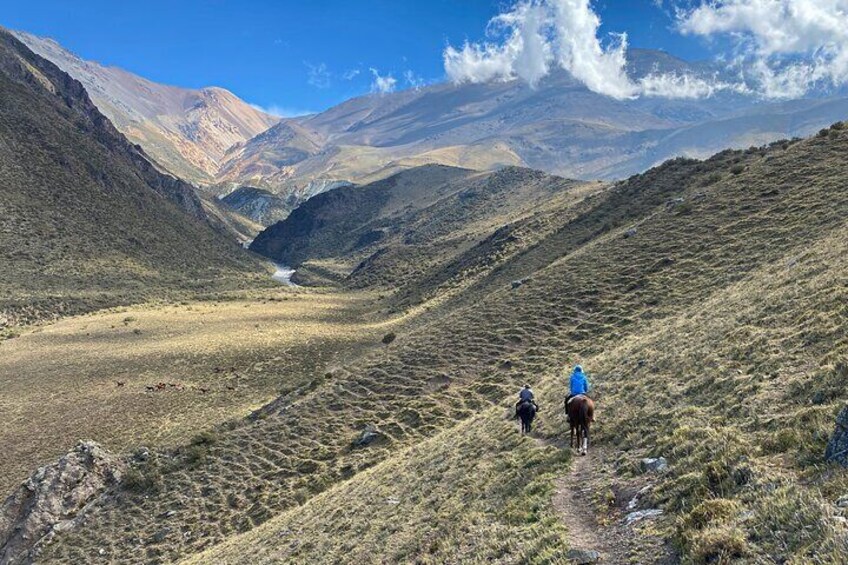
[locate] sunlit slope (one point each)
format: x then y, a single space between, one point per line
476 493
729 221
395 230
186 131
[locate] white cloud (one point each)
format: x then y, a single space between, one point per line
537 34
671 85
780 48
412 80
382 84
318 75
525 52
786 47
351 74
281 111
581 53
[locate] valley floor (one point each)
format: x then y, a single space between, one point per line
156 374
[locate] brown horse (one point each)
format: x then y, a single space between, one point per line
581 414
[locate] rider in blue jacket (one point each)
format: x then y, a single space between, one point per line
579 384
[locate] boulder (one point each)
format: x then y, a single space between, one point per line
53 497
641 515
369 435
653 465
630 233
583 556
842 501
837 447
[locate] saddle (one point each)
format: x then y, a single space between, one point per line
576 396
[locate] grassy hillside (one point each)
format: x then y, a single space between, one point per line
706 300
716 337
86 221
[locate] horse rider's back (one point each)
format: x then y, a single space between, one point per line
579 384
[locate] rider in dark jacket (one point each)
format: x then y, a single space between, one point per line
526 393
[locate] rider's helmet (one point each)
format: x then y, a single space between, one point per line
578 368
526 386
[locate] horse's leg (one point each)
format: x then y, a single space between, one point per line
585 438
571 443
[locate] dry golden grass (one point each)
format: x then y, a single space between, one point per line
227 358
475 493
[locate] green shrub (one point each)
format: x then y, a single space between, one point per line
206 438
136 480
712 512
195 454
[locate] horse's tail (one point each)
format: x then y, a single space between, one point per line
585 414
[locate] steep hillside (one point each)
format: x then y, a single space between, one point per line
707 301
85 220
186 131
397 229
229 220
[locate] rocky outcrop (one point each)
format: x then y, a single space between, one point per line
837 447
54 498
653 465
260 205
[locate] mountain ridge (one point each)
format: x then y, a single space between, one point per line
557 126
186 131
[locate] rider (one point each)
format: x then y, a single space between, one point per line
579 384
526 393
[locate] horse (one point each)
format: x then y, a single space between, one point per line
581 414
526 412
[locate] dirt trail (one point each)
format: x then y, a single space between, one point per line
574 502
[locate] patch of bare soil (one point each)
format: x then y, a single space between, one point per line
596 520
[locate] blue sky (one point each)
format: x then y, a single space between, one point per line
301 55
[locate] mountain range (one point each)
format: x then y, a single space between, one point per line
367 416
219 142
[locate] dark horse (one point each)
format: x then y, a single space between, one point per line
526 412
581 414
